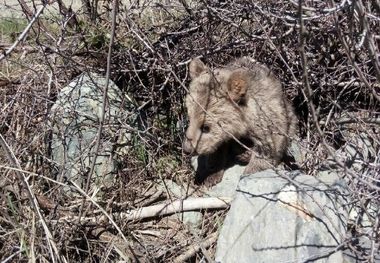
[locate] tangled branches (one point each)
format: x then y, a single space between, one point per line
326 54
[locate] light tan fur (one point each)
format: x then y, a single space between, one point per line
242 100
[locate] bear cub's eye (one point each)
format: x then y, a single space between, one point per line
205 128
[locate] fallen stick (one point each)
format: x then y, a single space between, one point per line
189 204
178 206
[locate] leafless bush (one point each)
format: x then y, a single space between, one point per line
325 53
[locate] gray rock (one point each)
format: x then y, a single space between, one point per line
284 218
75 120
227 187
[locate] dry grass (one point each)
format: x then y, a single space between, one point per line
154 42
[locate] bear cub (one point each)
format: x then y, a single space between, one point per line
237 114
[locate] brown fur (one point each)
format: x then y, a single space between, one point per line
242 100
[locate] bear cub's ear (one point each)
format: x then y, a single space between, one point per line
238 85
196 67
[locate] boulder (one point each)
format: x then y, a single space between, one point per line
287 217
75 120
227 187
230 180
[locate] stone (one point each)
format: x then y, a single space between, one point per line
287 217
230 180
75 120
227 187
